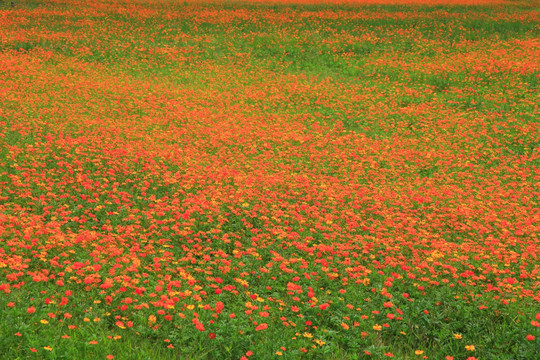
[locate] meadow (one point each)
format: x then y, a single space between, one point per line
267 180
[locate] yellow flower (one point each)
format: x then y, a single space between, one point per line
319 342
458 336
44 321
279 353
419 352
48 348
308 335
377 327
470 347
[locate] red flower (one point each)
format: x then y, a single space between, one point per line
261 327
212 336
219 307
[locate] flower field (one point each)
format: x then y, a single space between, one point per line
266 180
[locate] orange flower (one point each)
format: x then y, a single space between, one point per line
261 327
